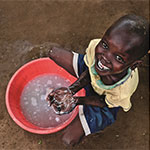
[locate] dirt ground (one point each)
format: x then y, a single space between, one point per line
25 24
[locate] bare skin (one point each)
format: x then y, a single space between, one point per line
76 130
59 55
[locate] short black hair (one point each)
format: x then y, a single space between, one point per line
138 25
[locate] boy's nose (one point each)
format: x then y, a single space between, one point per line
106 59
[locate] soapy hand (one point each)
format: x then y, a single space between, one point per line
62 100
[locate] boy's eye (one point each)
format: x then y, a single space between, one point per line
104 45
120 59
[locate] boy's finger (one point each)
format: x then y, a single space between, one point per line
49 97
52 93
52 101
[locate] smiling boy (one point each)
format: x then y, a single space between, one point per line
108 72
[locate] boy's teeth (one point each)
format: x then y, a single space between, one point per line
101 66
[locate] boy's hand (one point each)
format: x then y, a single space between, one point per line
62 100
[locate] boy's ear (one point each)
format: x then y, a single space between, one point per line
136 64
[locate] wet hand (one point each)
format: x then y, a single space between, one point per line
62 100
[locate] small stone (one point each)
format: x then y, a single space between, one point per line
40 142
117 135
143 133
51 51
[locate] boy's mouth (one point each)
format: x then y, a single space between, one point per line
102 67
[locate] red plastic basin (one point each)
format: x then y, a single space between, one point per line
17 83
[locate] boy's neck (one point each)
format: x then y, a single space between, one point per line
112 79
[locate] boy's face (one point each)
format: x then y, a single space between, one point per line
116 52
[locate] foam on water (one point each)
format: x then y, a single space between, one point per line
33 101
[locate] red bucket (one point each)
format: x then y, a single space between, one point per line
17 83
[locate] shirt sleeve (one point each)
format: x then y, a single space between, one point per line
90 52
114 101
121 95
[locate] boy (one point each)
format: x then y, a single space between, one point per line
108 72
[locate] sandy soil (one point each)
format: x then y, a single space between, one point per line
25 24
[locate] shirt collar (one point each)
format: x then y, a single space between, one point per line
107 87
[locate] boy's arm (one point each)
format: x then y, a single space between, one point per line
81 82
63 58
63 101
94 100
